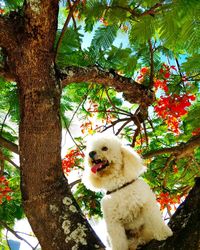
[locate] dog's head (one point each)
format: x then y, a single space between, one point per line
103 152
109 164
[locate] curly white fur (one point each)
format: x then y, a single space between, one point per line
131 212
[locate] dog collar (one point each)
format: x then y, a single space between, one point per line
125 185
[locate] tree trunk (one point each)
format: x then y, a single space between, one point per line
185 224
48 203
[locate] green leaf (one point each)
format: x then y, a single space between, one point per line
104 37
192 65
142 30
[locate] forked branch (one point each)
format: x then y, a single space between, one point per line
180 151
132 91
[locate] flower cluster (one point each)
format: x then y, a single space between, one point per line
4 190
172 107
72 159
87 127
167 200
91 125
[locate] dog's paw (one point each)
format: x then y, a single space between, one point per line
164 234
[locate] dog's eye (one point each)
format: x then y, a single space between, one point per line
104 148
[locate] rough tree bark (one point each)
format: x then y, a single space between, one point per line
48 203
28 42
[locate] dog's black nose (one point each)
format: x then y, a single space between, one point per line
92 154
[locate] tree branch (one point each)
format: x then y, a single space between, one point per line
11 162
151 64
70 15
153 10
179 151
9 145
15 234
133 92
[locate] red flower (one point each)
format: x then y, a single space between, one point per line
71 160
167 75
144 70
162 84
196 132
167 200
173 67
4 189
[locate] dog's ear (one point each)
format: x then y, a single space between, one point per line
132 162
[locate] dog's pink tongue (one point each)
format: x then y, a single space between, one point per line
96 167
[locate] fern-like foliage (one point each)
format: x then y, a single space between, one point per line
192 65
104 37
69 51
13 4
142 30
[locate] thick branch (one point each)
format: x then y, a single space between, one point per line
9 145
133 92
179 151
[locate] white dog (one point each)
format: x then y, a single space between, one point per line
129 208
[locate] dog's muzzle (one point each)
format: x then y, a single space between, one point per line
97 164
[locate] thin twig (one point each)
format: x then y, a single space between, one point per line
8 244
151 83
76 110
73 139
112 104
153 10
137 131
4 121
109 111
167 163
1 163
179 68
74 183
145 134
15 234
36 246
74 21
123 125
115 122
65 27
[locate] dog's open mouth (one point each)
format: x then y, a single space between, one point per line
99 165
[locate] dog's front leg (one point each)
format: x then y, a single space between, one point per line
117 236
